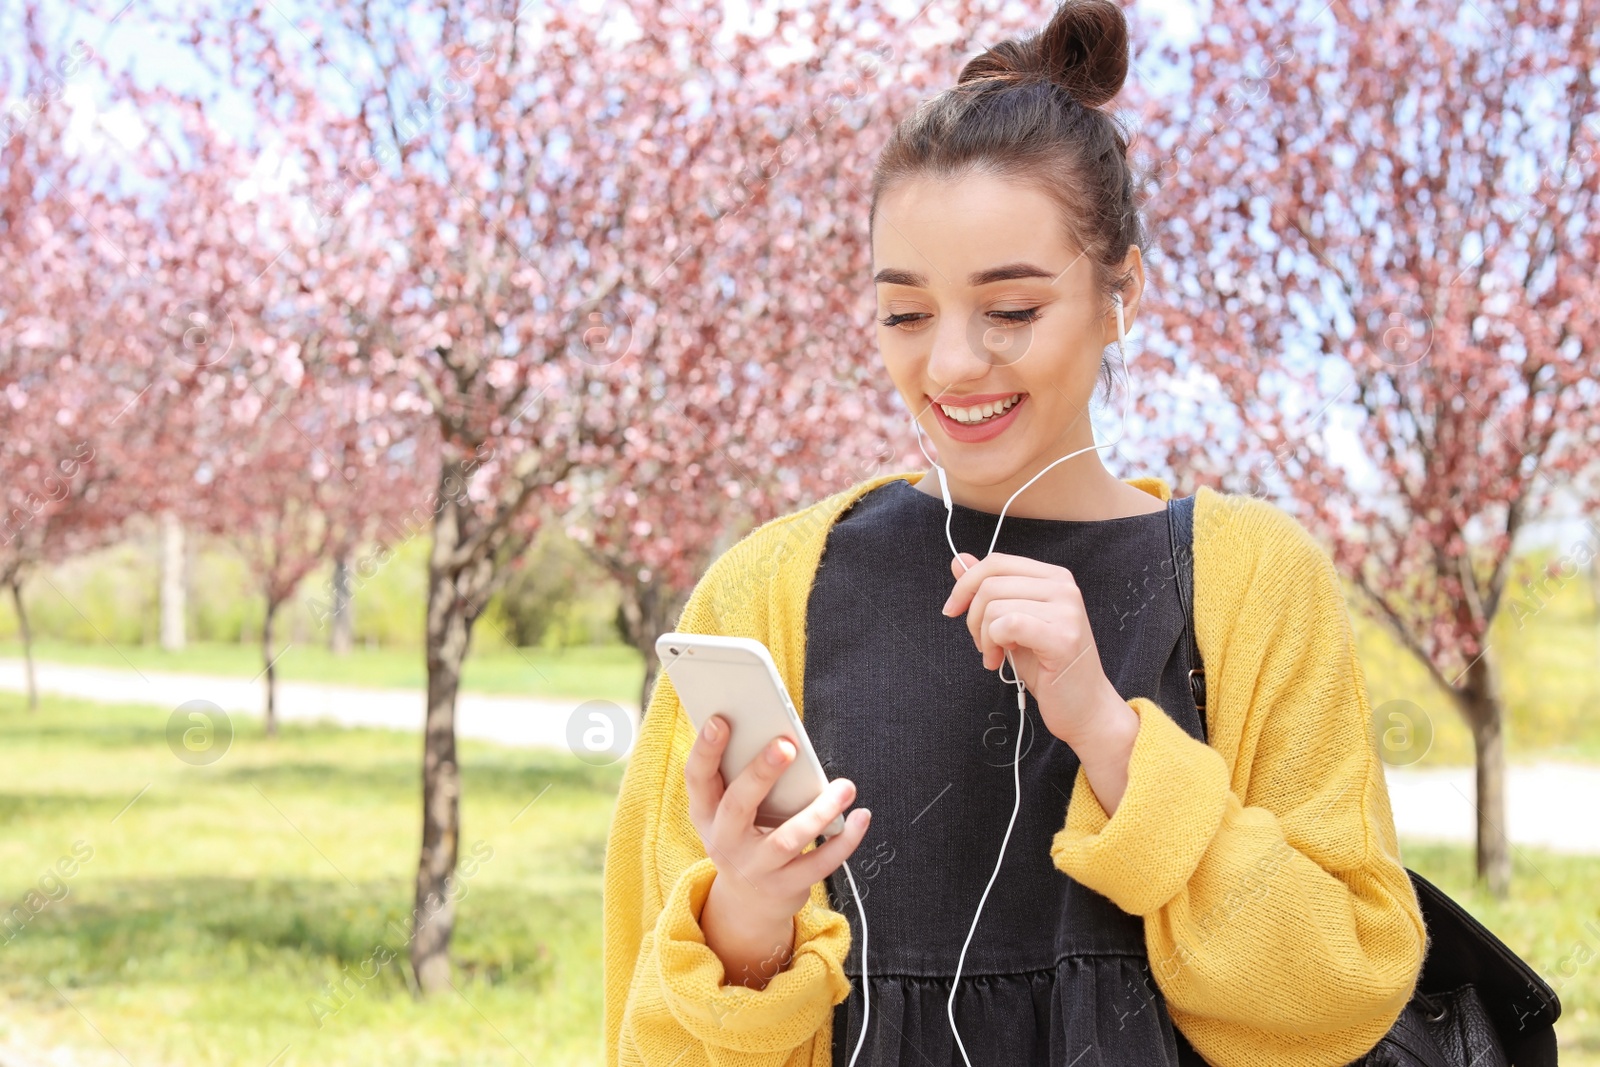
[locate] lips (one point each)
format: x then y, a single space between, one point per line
976 409
973 433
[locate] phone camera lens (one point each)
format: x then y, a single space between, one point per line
672 650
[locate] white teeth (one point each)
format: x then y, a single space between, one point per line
982 411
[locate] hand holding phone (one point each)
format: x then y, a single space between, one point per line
756 816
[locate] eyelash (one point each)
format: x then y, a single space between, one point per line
1026 316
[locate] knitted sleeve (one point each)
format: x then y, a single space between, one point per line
1281 926
665 1001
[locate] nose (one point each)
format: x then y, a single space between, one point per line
962 349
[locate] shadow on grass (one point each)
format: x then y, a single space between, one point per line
364 787
83 807
296 932
141 728
523 778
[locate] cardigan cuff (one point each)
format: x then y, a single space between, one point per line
791 1008
1143 856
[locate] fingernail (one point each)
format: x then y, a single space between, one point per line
710 730
780 752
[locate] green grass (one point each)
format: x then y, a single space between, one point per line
220 901
602 672
215 909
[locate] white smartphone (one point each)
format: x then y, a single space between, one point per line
735 677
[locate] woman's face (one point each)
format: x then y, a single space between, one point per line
980 302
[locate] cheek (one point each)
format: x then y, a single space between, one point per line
900 360
1058 394
1065 369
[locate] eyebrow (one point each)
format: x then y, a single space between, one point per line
1008 272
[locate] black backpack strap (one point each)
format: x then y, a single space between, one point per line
1180 528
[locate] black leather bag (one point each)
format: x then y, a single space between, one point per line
1476 1004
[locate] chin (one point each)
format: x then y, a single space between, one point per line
989 470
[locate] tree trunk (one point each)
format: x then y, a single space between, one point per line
1594 583
1484 713
271 671
27 642
647 611
174 584
1494 848
341 637
456 596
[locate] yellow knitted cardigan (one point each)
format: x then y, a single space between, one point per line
1280 925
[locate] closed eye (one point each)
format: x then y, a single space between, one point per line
895 320
1020 317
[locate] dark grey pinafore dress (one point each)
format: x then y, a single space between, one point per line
897 700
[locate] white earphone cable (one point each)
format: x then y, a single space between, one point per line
866 999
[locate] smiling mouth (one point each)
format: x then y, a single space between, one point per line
981 413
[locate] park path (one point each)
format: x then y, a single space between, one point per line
1551 804
509 720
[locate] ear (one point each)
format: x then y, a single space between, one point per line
1131 294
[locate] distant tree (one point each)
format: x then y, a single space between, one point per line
1377 231
544 580
84 381
174 596
341 612
274 490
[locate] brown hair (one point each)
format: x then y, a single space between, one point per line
1030 109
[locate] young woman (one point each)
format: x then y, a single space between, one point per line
1161 899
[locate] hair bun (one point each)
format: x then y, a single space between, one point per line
1084 49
